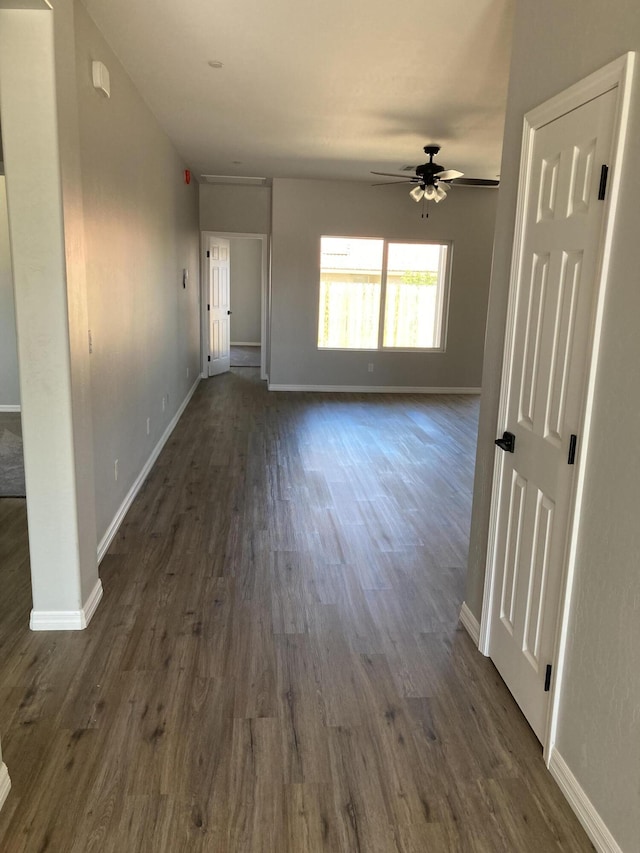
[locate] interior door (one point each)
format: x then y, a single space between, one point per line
543 394
219 306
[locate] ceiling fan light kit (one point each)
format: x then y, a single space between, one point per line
432 180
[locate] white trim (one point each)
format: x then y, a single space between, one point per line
92 602
67 620
490 568
584 809
245 343
617 74
5 784
374 389
470 623
10 407
112 529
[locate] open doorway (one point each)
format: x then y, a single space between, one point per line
246 295
15 578
11 458
248 302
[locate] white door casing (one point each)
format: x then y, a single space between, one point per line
219 305
559 266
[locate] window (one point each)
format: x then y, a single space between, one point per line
380 295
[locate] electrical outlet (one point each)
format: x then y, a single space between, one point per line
148 426
90 342
115 469
164 403
370 367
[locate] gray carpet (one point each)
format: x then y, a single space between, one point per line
11 461
242 356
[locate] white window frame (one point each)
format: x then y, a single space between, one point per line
442 298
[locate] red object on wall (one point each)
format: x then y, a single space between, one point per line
187 176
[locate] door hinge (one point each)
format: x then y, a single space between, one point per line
208 358
208 253
573 441
208 307
604 174
547 679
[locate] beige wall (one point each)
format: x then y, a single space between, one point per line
9 384
557 44
305 210
246 290
226 207
141 228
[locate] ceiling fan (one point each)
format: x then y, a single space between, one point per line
432 181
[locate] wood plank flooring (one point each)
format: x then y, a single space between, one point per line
276 666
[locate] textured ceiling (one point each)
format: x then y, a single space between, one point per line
312 89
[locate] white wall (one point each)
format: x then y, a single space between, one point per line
9 383
305 210
555 45
243 210
141 230
246 290
40 141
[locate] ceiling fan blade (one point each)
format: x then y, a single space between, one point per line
449 175
408 176
474 182
391 183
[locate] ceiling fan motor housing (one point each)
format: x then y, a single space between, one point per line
428 170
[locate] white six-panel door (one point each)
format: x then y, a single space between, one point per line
544 384
219 306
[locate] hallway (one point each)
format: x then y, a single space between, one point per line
277 664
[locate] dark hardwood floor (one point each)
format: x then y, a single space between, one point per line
276 665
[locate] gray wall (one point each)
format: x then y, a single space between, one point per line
305 210
245 210
141 227
9 385
246 290
555 45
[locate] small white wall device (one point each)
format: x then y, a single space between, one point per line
101 80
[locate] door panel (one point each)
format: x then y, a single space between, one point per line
549 353
219 306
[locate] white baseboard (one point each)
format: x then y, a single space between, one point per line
470 623
374 389
9 407
246 344
112 529
91 604
5 784
585 811
67 620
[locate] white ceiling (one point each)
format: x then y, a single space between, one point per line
319 88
